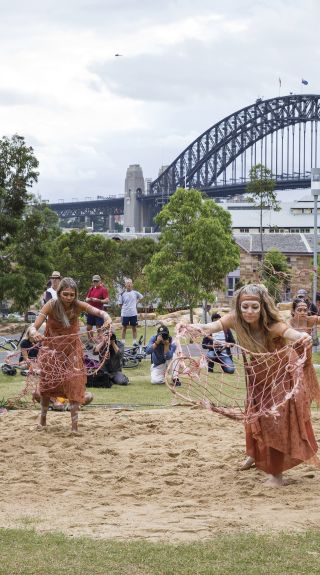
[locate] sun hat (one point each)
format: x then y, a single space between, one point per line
55 275
96 278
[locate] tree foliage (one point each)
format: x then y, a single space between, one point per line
25 272
261 190
18 173
81 255
133 256
196 249
275 273
27 228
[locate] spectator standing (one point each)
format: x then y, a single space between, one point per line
129 315
51 292
161 349
97 296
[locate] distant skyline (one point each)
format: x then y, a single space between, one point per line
96 85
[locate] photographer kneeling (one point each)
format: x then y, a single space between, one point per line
161 349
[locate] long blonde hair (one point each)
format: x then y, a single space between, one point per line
269 315
57 305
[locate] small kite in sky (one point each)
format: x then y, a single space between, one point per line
117 55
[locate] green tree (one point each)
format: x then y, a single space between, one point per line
25 272
196 249
275 273
27 228
81 255
262 194
18 173
134 256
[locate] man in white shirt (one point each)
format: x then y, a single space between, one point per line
51 292
129 315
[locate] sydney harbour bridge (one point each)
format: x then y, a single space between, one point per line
280 133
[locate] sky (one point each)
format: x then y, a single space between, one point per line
184 66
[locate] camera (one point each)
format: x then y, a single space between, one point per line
165 336
113 337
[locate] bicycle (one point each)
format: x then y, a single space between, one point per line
9 344
132 356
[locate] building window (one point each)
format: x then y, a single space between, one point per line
244 230
231 286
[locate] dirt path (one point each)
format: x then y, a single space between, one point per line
156 475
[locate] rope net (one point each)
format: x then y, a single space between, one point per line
281 283
59 364
257 384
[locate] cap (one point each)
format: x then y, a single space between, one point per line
96 278
163 329
302 292
55 275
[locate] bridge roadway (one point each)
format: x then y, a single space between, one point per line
113 206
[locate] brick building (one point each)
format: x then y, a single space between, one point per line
297 248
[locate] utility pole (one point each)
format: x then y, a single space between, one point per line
315 190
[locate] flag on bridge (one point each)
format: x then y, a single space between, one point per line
305 82
280 82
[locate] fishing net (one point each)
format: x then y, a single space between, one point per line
261 383
60 364
283 284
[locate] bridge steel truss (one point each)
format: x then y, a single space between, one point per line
207 158
91 208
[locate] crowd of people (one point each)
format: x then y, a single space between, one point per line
272 445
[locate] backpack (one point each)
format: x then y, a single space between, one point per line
8 369
100 379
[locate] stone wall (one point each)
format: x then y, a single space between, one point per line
300 267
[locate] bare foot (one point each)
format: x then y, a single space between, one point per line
88 398
40 427
43 421
275 481
249 462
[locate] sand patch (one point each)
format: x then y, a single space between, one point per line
165 474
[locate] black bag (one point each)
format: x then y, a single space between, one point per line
8 369
100 379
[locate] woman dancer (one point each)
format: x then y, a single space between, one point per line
273 444
61 356
301 321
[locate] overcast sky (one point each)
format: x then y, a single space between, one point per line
186 64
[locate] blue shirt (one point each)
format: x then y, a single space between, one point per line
157 355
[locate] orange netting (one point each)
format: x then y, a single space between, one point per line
257 384
59 365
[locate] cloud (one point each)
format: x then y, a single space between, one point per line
186 65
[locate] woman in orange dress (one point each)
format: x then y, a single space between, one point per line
62 371
301 321
274 444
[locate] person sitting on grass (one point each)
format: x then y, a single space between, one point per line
113 361
29 349
218 352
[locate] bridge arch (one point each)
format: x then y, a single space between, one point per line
202 163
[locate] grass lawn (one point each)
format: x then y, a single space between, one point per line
23 552
138 392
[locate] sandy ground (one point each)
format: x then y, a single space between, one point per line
165 474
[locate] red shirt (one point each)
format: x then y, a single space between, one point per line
100 292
